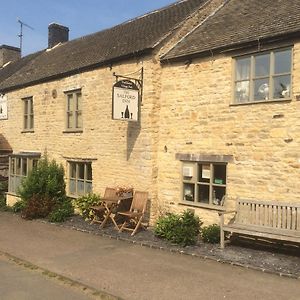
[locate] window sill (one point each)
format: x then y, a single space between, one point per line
73 131
202 205
262 102
73 196
27 131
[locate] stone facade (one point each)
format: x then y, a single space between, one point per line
122 153
197 117
187 111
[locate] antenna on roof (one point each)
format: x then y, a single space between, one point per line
21 31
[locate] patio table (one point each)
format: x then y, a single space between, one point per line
112 204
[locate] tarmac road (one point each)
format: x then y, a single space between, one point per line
19 283
134 272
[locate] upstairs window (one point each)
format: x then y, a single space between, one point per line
28 121
74 111
263 77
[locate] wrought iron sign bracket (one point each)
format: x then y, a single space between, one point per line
138 81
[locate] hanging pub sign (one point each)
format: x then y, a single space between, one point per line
3 107
125 104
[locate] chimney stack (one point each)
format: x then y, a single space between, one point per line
9 53
57 34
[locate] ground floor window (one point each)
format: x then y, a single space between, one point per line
80 178
204 183
19 167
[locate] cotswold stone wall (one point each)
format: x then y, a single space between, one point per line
197 117
123 152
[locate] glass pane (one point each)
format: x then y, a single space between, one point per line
80 171
12 166
72 187
34 163
261 89
70 102
283 61
69 120
18 180
24 166
88 187
189 192
25 106
80 187
31 106
89 171
31 122
219 174
204 173
243 68
25 122
262 65
203 193
72 170
282 86
18 166
78 102
11 184
242 91
78 119
218 195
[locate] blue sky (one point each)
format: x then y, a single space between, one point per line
81 16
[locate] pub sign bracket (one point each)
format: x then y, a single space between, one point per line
127 97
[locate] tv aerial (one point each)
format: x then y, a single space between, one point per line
21 31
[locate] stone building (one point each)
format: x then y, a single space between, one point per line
218 115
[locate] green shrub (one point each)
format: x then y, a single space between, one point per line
84 204
47 179
42 190
3 189
182 229
38 206
2 201
4 186
211 234
18 206
62 212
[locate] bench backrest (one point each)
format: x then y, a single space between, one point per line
268 214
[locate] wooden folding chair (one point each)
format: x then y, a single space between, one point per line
100 210
136 212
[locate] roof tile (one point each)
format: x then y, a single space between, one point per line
238 22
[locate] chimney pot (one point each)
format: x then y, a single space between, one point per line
57 34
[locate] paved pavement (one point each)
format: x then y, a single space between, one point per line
19 283
134 272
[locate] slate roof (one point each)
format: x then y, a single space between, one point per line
240 22
125 40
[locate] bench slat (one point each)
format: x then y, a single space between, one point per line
289 204
266 219
284 236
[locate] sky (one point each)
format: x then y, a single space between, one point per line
81 16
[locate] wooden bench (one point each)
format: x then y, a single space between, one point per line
272 220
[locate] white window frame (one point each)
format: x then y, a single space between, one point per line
270 77
85 182
16 175
28 114
75 113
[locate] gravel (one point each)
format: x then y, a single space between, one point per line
281 259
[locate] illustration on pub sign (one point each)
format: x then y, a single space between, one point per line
125 101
